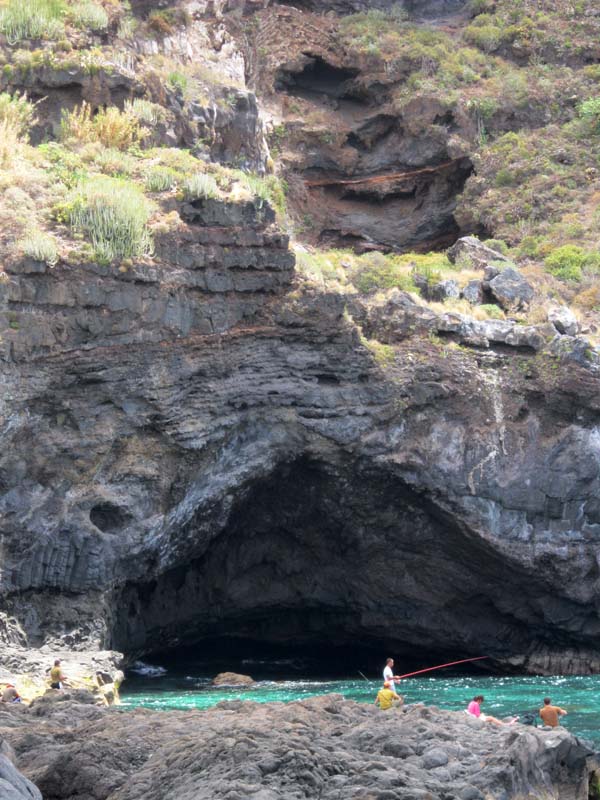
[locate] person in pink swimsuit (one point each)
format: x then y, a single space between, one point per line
474 708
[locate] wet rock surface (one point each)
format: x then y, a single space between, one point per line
231 679
320 747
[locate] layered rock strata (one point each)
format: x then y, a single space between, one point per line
196 446
364 170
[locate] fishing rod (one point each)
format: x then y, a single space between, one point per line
441 666
362 675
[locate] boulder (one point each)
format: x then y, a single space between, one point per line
443 290
511 290
473 292
564 320
13 786
470 250
576 349
54 697
232 679
489 273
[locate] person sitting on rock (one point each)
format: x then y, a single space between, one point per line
57 679
550 713
387 696
474 708
10 694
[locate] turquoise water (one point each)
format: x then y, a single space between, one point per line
504 696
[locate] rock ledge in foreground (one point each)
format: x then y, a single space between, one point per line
324 747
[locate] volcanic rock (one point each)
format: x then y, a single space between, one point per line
564 320
443 290
511 290
469 250
232 679
198 446
13 786
313 748
473 292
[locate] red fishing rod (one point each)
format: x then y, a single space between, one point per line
441 666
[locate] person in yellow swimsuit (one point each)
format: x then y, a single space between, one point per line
387 696
57 679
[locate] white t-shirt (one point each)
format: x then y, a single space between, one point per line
388 675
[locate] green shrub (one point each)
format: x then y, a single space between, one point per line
40 246
145 111
178 81
268 188
504 177
492 311
113 214
375 271
112 127
591 265
160 179
88 15
32 19
497 244
589 111
483 108
566 262
487 37
530 246
115 162
17 112
63 165
200 187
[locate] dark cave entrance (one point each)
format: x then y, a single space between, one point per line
407 210
341 556
318 78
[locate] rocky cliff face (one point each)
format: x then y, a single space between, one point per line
204 443
365 169
196 446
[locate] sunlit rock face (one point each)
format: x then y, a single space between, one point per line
202 446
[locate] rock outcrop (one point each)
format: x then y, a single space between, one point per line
196 446
232 679
363 170
201 444
13 786
321 747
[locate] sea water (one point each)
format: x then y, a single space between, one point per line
504 696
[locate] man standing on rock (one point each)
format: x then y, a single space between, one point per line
388 673
56 676
550 713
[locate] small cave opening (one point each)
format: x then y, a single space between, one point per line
108 517
332 555
400 211
318 78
